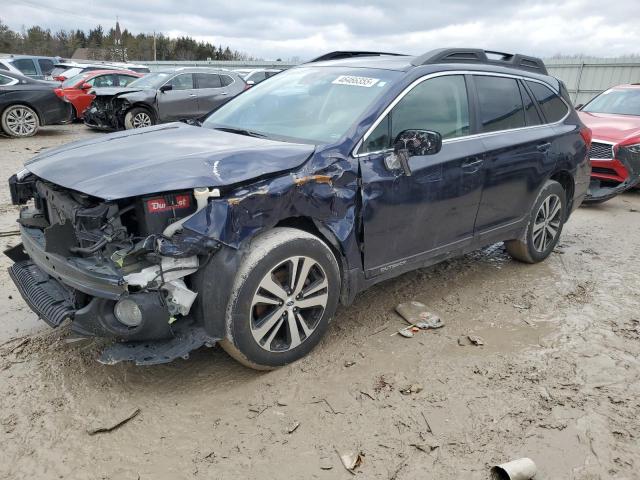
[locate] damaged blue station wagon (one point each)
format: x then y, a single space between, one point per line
292 198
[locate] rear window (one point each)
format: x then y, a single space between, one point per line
500 103
5 80
553 108
46 65
70 82
3 66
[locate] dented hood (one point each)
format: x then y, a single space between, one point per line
167 157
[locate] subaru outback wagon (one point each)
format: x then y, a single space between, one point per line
292 198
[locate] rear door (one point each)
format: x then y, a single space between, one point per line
211 92
411 218
518 155
181 102
46 67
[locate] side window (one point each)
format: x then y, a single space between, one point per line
3 66
552 106
182 82
102 81
530 112
5 80
208 80
124 80
26 66
226 80
46 66
439 104
500 103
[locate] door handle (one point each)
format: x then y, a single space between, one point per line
544 147
472 165
193 95
224 93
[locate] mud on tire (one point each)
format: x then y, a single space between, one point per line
543 231
284 296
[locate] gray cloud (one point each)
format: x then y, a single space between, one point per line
270 29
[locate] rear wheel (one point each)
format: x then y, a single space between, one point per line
138 117
285 294
545 225
19 121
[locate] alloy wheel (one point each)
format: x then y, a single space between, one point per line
288 304
547 223
21 121
141 120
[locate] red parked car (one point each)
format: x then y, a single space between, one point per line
614 118
76 89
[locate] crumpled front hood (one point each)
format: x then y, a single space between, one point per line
173 156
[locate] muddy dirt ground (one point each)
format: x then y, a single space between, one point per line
557 379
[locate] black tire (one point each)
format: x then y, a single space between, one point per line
533 250
269 255
19 121
139 117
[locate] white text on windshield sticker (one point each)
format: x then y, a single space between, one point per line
355 81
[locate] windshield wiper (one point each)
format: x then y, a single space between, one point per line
241 131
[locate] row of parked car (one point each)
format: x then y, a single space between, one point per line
111 96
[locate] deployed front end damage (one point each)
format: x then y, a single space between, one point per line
117 269
110 105
629 156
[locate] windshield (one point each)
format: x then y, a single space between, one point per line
151 80
620 102
309 104
70 82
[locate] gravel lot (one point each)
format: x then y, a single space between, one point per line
557 378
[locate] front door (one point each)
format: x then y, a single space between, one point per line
181 102
407 219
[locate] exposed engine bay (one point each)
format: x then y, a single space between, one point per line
130 256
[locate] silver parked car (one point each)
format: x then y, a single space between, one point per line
166 96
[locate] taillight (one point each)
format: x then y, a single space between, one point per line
58 92
587 135
59 78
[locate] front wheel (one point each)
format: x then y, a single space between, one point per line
285 294
545 225
19 121
138 117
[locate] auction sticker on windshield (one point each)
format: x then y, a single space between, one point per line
355 81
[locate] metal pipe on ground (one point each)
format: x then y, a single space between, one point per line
520 469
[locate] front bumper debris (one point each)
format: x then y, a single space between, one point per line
599 193
186 339
46 297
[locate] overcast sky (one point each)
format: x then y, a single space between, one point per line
271 29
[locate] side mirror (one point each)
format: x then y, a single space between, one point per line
85 86
412 143
166 88
579 106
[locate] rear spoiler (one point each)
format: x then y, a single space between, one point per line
598 193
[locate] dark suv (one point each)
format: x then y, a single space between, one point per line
298 194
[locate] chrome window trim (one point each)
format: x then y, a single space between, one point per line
417 82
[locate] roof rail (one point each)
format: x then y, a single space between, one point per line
337 55
476 55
